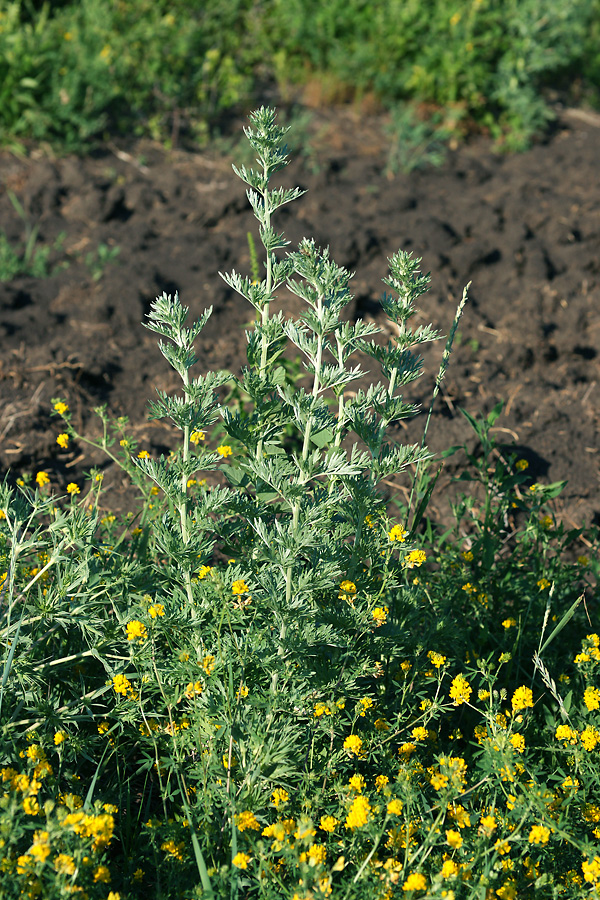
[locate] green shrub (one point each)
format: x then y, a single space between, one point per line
69 71
262 685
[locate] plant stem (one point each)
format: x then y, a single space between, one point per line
265 310
183 503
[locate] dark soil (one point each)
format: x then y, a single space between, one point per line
524 230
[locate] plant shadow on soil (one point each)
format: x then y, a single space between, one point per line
522 229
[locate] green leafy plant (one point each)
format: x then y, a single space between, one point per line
30 259
262 685
414 144
98 260
70 71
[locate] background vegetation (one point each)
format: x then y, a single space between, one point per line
70 71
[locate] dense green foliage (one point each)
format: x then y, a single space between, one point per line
71 70
271 683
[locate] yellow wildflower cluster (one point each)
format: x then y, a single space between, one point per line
398 533
136 631
460 690
359 813
591 698
122 685
99 827
353 745
347 592
247 820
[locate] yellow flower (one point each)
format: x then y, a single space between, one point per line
241 860
173 849
509 623
143 454
136 631
419 733
102 874
197 436
521 465
157 609
59 737
591 698
436 659
73 488
415 882
63 441
31 806
328 823
406 750
570 782
203 571
247 820
415 558
454 838
208 663
381 782
242 693
42 478
194 688
566 734
518 742
460 690
357 783
543 584
591 870
394 807
397 533
225 450
359 813
239 587
364 704
449 869
539 835
278 796
460 816
121 684
488 823
347 592
321 709
316 854
64 864
61 408
353 745
521 699
589 737
380 614
438 781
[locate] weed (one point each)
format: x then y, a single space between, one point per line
414 144
29 259
98 260
262 685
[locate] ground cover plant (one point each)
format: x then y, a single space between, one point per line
270 683
71 71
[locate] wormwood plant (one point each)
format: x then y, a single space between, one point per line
260 691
